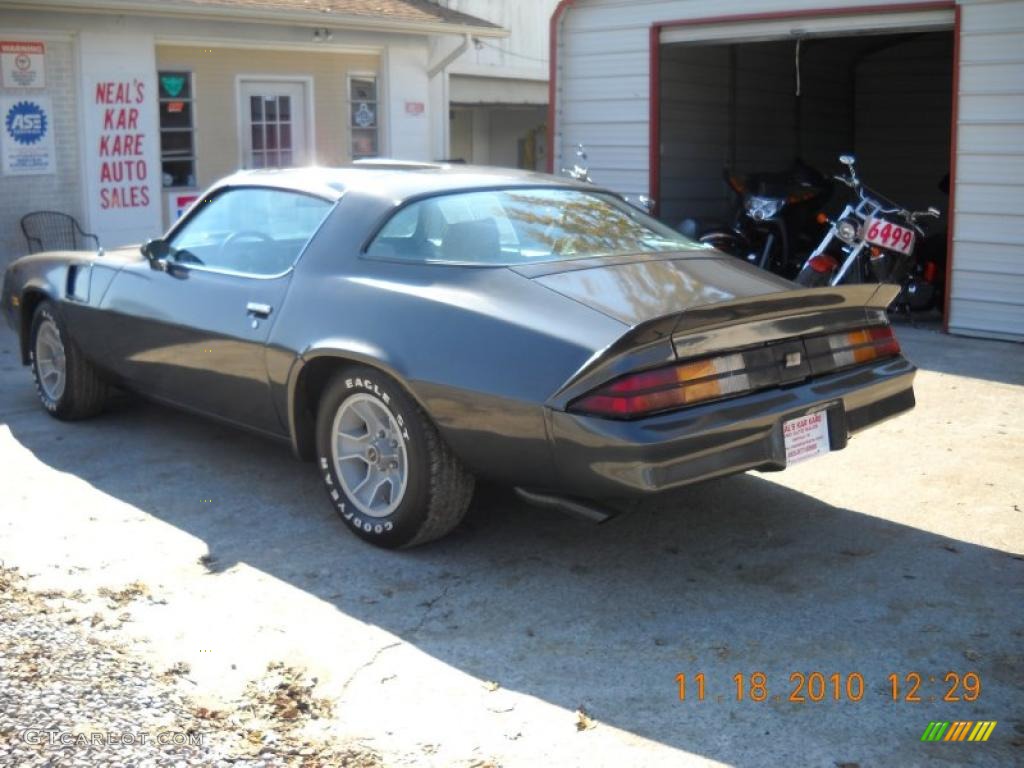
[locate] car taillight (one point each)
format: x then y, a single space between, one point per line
863 346
663 389
784 363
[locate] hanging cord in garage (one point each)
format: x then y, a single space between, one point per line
799 40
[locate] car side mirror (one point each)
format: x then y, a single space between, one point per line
157 251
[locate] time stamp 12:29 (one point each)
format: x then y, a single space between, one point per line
817 687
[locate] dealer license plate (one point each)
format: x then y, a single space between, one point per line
889 235
806 437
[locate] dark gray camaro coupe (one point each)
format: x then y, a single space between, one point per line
413 326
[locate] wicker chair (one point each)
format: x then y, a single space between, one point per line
55 231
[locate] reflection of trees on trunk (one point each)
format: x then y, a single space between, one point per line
592 226
580 224
644 289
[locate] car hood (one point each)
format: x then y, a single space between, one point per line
636 289
116 256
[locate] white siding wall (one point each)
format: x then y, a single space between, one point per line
522 55
988 264
602 99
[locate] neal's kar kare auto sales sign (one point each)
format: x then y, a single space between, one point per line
121 145
27 135
121 139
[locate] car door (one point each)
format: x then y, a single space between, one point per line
195 333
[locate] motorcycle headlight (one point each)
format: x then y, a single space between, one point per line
762 208
846 230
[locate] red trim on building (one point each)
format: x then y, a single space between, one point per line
654 149
950 218
654 117
556 18
654 167
817 13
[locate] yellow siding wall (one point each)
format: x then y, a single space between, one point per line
216 101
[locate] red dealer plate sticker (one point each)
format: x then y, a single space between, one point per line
889 235
806 437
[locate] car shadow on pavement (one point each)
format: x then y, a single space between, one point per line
733 576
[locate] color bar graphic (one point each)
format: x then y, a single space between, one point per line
958 730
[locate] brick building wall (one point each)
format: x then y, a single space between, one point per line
60 191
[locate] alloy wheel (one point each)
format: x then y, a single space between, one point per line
369 455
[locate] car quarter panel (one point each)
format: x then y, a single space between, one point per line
481 349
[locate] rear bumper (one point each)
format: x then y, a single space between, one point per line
604 458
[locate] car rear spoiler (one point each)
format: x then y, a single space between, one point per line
731 325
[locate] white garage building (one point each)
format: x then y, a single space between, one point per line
667 93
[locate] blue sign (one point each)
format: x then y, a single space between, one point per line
26 135
26 122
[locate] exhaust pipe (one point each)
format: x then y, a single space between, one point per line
585 510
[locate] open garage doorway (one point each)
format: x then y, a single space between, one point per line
762 104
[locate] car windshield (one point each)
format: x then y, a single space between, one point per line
521 226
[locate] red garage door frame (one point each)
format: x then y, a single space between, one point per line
654 158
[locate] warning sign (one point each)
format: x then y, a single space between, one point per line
22 64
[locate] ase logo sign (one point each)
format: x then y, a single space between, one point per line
26 122
26 136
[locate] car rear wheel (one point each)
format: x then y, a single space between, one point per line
67 383
389 474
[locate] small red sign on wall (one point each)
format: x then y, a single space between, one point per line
21 64
415 107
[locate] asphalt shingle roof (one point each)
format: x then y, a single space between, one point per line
422 11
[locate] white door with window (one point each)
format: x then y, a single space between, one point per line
274 131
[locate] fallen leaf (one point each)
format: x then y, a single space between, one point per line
584 722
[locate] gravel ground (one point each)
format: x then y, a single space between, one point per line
527 638
71 697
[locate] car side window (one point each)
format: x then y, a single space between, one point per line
251 230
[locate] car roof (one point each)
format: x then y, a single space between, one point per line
395 180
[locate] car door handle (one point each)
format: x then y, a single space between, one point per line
259 310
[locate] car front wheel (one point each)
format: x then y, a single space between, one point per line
389 474
67 383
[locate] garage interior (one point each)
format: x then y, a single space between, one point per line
756 106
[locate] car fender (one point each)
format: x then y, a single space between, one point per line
344 351
24 292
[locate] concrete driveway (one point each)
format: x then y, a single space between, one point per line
899 555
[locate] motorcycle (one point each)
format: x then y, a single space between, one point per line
874 240
773 221
579 172
582 173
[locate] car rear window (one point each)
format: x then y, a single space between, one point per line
521 226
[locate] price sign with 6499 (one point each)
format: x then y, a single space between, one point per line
804 687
